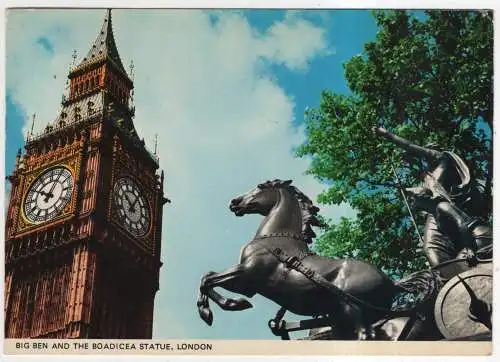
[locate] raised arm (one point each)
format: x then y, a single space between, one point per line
428 153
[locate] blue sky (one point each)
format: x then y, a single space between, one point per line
226 92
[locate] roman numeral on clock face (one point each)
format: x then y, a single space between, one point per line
132 206
48 195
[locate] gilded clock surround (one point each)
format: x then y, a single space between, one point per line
72 164
48 195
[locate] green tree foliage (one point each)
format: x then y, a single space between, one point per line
426 78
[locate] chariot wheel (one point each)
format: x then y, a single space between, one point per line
463 306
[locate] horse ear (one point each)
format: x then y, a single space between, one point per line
287 182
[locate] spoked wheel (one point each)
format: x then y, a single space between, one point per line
463 307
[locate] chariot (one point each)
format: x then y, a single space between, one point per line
345 298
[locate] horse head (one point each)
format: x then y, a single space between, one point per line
259 200
268 195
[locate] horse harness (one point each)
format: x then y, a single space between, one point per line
295 262
281 328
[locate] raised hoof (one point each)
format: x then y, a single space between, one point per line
236 304
243 304
206 315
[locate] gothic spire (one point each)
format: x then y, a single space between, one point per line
104 45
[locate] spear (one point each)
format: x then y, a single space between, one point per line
398 183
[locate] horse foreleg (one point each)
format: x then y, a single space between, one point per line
225 280
231 280
229 303
202 302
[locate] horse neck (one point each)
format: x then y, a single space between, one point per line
284 217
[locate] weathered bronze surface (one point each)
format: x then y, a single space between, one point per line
460 312
452 199
277 263
352 299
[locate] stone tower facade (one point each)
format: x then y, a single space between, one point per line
83 225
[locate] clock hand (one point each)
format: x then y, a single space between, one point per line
128 199
46 194
49 195
53 187
131 204
135 201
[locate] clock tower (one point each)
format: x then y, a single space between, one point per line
83 226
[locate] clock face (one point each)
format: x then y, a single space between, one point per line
131 206
48 195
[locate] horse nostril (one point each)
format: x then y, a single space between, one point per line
235 201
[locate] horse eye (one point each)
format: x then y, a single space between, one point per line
260 186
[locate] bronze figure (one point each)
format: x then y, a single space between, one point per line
453 201
353 296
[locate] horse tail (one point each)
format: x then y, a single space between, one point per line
416 290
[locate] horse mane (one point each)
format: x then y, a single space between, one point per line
308 209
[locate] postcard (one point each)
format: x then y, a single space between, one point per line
248 182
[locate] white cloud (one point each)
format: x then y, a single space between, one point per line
294 42
36 79
224 125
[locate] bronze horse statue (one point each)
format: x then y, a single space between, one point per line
279 265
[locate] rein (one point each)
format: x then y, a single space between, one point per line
470 261
295 263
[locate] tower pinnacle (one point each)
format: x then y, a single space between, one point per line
104 46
